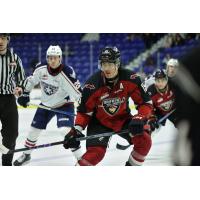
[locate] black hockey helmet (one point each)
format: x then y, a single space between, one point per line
111 55
160 74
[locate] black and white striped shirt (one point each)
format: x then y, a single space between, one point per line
11 72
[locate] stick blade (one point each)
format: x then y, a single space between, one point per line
122 147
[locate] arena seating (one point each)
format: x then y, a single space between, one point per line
79 52
26 45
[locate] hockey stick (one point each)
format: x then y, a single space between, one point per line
53 109
124 147
107 134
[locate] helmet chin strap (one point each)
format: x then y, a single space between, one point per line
111 81
164 89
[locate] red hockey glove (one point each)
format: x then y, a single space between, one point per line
136 125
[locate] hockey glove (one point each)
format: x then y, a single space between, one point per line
70 139
153 123
24 99
136 125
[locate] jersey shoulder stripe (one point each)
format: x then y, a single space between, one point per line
40 67
69 75
93 83
128 75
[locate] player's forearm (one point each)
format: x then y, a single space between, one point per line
82 119
30 83
146 109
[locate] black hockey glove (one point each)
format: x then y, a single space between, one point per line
70 139
153 123
163 122
136 125
24 99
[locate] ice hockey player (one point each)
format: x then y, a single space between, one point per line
104 108
162 94
60 88
171 69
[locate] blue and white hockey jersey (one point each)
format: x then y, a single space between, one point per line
56 89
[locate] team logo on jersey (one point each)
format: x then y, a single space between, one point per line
89 86
166 106
77 84
112 105
49 89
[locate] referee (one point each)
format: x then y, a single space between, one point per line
11 75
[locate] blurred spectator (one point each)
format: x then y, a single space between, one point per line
150 38
190 36
178 40
166 59
90 37
150 61
197 37
149 66
168 42
130 37
147 38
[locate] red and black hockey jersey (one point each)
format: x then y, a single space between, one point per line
110 105
163 102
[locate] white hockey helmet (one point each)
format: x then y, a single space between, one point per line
173 62
54 51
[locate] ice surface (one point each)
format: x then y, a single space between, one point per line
160 153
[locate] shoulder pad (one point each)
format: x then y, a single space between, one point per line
126 74
93 82
151 90
69 71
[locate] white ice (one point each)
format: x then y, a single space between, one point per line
160 153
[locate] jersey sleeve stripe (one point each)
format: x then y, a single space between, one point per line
70 82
